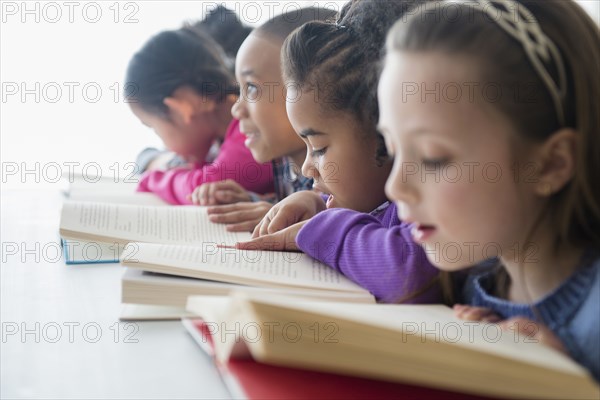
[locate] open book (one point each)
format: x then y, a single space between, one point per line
417 344
101 190
125 223
281 272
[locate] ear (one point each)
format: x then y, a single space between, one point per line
180 109
185 104
557 161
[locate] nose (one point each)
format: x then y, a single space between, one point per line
402 183
239 110
309 168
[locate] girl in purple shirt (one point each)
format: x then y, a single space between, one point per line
353 229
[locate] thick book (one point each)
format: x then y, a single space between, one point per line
423 345
248 379
149 288
281 271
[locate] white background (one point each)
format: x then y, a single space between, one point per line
45 46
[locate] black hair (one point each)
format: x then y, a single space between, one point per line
172 59
338 60
224 26
282 25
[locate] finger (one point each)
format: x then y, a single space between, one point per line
194 197
257 228
228 185
461 309
226 196
232 185
521 325
470 313
246 226
270 242
227 208
264 225
491 318
203 194
279 221
211 194
224 208
234 217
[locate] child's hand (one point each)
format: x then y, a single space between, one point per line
523 326
297 207
284 239
223 192
239 217
471 313
535 331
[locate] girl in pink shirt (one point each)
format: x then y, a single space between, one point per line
179 85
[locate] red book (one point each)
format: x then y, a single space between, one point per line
253 380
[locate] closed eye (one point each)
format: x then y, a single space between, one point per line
434 162
318 152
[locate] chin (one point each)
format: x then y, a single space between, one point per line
259 156
444 257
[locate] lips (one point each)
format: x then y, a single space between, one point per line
251 137
421 232
330 202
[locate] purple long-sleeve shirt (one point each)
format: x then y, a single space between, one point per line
374 250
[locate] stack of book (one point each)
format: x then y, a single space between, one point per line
282 325
172 252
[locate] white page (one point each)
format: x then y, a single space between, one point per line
155 224
209 261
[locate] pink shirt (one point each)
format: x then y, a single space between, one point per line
233 162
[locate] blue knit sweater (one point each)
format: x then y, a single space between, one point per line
571 311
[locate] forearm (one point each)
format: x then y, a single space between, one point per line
173 185
383 260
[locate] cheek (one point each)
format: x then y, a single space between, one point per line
477 211
329 171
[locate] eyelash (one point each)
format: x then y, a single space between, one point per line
319 152
250 86
436 163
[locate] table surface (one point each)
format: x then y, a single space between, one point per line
61 337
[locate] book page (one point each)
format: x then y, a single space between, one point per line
134 223
261 268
